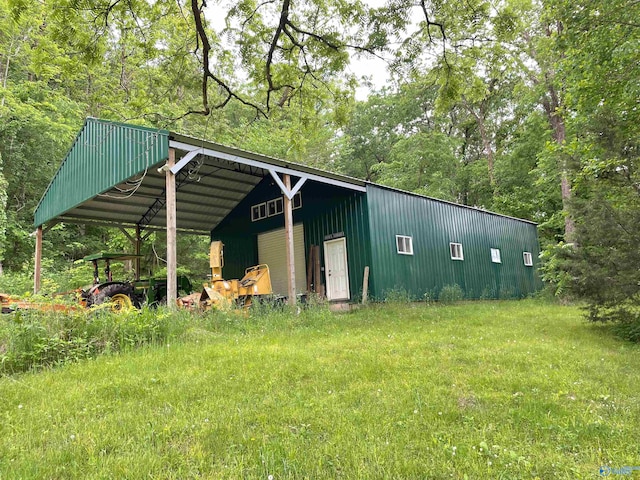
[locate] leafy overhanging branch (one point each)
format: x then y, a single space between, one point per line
286 27
203 39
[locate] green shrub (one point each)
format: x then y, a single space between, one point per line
397 295
33 339
451 294
507 293
16 283
628 329
430 295
488 293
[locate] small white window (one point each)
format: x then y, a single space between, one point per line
495 255
456 251
275 207
404 245
528 259
258 212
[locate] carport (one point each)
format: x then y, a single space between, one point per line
141 179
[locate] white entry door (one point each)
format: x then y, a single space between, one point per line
336 270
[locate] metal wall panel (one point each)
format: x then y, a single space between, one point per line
434 224
271 251
326 210
347 215
103 155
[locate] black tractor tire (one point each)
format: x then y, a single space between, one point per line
106 293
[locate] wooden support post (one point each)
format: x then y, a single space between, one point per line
317 278
129 264
310 270
172 264
38 261
365 286
127 234
288 229
137 245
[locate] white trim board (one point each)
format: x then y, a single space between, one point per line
255 163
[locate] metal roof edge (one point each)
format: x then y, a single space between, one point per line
73 144
197 142
106 223
307 169
129 125
481 210
55 175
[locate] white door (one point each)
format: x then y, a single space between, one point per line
272 250
335 269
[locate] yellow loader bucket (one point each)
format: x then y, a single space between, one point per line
256 281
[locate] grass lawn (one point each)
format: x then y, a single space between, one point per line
475 390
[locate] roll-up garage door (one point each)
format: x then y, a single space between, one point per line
272 250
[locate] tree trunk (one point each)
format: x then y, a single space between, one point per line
488 150
565 182
486 141
551 105
556 120
569 225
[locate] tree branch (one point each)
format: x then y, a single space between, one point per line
284 18
440 26
206 71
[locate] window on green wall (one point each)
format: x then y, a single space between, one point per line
404 245
258 212
456 251
495 255
275 206
528 259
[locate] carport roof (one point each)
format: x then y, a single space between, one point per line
113 175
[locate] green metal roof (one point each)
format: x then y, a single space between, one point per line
103 155
110 177
223 150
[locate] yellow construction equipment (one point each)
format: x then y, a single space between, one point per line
220 293
9 304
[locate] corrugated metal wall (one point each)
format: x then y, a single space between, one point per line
240 235
103 155
349 216
433 225
271 246
326 210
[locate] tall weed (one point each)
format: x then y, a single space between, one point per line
451 294
32 339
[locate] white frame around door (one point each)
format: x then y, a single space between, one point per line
327 271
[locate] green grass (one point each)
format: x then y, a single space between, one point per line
474 390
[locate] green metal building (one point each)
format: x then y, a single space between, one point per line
412 244
118 174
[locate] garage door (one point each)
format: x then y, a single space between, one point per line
272 251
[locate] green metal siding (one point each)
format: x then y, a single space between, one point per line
433 225
239 234
326 210
349 216
240 252
103 155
